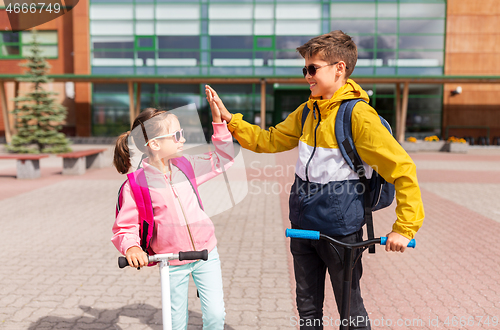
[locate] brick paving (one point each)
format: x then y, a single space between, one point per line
60 270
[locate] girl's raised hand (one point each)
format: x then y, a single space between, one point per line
136 257
216 115
225 115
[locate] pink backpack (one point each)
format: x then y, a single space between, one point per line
140 190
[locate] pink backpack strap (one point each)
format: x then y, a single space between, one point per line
185 166
140 190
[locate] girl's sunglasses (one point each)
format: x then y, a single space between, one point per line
311 69
178 135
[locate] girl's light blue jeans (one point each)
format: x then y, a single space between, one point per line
208 279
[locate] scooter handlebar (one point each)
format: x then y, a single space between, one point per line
193 255
411 244
189 255
315 235
300 233
122 262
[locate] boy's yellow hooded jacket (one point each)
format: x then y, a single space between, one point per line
320 161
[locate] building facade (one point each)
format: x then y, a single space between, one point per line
258 38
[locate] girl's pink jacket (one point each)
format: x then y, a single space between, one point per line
180 222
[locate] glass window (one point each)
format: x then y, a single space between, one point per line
421 26
264 42
354 26
187 42
364 42
387 10
265 56
10 50
177 11
9 36
146 58
15 44
231 42
387 42
338 10
420 58
178 59
112 43
291 42
231 11
421 42
179 89
387 26
423 89
305 28
223 58
111 28
144 28
235 28
298 11
145 42
422 10
144 12
263 28
43 37
111 12
108 54
178 28
386 57
264 11
110 88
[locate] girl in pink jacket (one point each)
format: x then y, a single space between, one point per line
180 222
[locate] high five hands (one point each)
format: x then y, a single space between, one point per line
219 111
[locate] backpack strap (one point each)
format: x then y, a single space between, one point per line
185 166
119 201
345 141
140 190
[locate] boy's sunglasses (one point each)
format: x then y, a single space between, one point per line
178 135
311 69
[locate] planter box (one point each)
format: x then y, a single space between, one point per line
424 146
457 147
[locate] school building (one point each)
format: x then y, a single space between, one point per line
431 67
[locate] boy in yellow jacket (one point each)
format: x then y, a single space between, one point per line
330 59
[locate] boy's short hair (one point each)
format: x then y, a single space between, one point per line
332 47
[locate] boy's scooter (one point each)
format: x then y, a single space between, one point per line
349 263
164 259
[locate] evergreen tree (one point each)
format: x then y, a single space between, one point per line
38 116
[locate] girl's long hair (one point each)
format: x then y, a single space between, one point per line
147 125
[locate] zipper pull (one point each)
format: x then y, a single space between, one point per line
314 109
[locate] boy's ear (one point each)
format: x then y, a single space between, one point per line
340 69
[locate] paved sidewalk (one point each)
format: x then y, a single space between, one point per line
60 267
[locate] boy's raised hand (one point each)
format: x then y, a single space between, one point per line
216 116
225 115
396 242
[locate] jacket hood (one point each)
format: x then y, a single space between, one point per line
350 90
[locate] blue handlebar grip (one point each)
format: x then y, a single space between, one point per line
299 233
411 244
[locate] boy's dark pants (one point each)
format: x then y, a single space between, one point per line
311 259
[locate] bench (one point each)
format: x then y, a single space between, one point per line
77 162
28 165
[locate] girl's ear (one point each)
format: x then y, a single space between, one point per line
154 145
